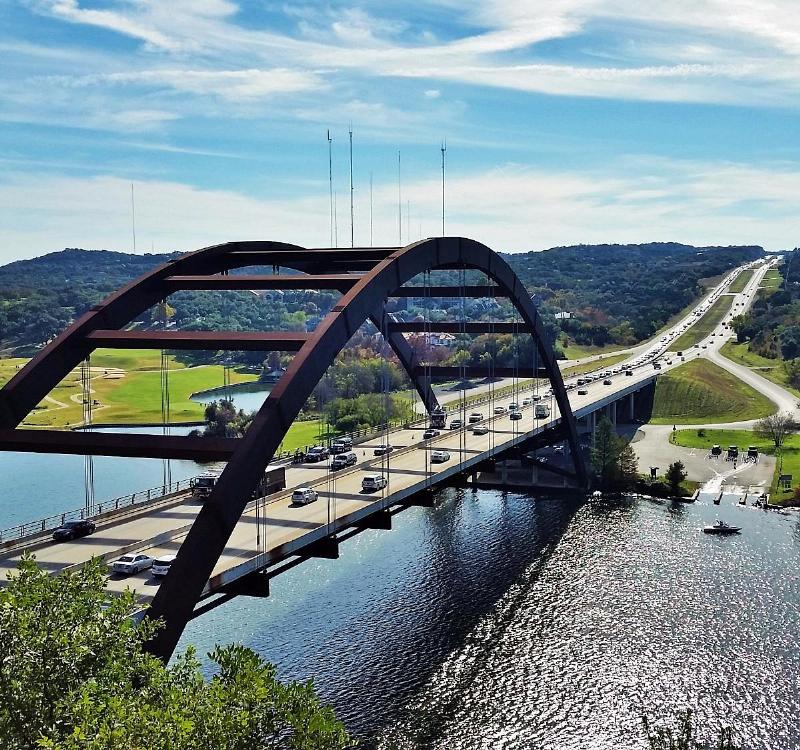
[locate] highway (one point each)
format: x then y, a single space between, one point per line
274 528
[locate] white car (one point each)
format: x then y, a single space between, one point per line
161 565
304 496
133 563
480 429
527 401
373 482
499 409
439 457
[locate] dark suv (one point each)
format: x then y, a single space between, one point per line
72 530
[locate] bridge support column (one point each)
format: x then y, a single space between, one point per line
380 520
631 407
253 584
327 548
422 499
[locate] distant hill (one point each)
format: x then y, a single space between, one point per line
619 293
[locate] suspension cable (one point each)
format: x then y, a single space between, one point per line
88 461
165 418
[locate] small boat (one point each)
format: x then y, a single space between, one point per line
720 527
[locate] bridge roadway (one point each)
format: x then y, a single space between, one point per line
285 529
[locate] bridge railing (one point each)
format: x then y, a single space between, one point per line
42 525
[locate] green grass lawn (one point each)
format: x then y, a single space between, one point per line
771 369
743 439
608 361
704 325
700 392
741 281
577 351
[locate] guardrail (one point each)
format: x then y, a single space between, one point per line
42 525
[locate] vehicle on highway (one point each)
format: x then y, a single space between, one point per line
583 392
347 442
73 529
515 415
304 496
656 365
161 565
438 418
343 460
383 449
606 382
499 409
439 457
480 429
338 447
476 416
629 372
456 424
527 401
430 433
203 485
316 454
132 563
513 406
704 346
373 482
541 411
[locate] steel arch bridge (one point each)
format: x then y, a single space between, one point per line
366 278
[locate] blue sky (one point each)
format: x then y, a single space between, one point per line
566 121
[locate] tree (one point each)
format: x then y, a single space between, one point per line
684 736
676 473
613 459
75 676
776 428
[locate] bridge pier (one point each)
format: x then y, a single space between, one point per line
380 520
254 584
326 548
423 499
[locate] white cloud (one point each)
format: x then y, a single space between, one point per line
508 208
432 93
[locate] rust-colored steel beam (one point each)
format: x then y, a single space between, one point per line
93 443
302 258
469 326
339 282
257 341
478 371
478 292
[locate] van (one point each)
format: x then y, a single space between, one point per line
373 482
342 460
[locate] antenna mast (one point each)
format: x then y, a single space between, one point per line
370 209
352 242
330 179
444 150
399 204
133 219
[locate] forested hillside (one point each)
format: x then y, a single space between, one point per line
614 293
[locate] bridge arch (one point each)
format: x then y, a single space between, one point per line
365 276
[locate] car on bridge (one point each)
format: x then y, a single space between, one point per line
73 530
316 454
480 429
133 563
499 409
629 372
456 424
304 496
583 392
430 433
515 415
343 460
373 482
440 457
162 564
383 449
476 416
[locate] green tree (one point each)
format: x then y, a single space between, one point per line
776 428
613 460
676 473
75 676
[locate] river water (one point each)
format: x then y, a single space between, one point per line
504 621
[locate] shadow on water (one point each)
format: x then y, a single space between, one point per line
374 627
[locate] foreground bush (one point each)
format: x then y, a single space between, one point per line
74 675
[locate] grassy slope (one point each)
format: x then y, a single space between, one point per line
744 438
741 281
700 392
576 351
594 365
704 325
771 369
